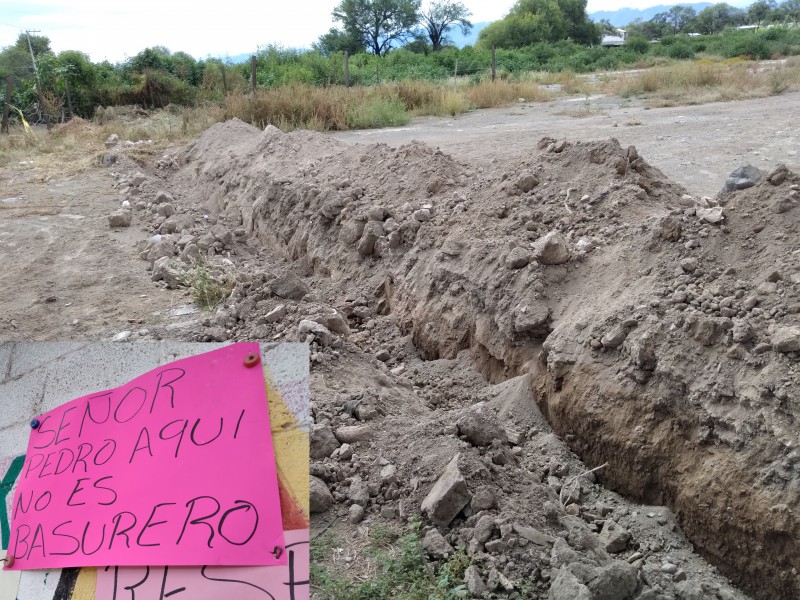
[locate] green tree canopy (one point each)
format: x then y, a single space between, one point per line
378 23
440 16
533 21
339 41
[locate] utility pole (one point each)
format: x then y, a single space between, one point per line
42 107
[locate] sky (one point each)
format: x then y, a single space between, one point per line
116 29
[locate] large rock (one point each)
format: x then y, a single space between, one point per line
742 178
786 339
320 498
447 496
290 286
323 442
436 546
552 249
480 427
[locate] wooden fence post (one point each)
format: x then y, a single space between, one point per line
224 80
494 63
7 103
253 72
346 69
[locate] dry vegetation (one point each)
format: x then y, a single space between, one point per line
706 81
77 145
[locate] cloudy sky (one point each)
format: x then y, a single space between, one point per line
114 29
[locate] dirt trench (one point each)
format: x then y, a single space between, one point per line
659 329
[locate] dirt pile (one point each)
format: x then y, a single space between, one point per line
659 334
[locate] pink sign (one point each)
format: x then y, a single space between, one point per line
174 468
288 582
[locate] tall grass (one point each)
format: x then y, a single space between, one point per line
336 108
705 81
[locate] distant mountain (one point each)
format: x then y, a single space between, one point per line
459 40
623 16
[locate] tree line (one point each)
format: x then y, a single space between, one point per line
387 40
713 19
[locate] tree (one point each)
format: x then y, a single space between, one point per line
338 41
607 27
378 23
533 21
442 15
39 43
717 17
759 11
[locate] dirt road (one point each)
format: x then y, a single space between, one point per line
696 146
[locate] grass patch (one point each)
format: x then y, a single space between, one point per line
208 289
399 569
708 81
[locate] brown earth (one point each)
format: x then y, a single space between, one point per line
654 328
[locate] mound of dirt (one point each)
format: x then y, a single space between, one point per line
447 303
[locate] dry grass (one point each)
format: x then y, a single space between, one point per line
502 93
706 81
77 145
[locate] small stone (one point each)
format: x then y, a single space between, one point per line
122 336
669 568
527 182
383 355
484 529
481 428
166 210
120 218
551 249
355 513
786 339
320 498
742 178
483 499
422 215
614 537
714 216
518 258
359 492
614 337
475 584
322 441
350 434
679 575
289 286
778 174
689 265
436 546
276 314
321 333
162 196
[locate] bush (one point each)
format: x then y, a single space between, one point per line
638 44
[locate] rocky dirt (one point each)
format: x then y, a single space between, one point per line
519 350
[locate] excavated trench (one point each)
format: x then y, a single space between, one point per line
633 403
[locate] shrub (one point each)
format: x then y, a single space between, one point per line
638 44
